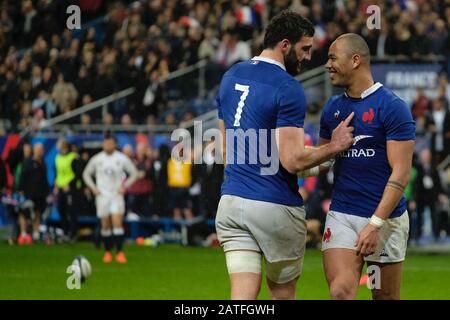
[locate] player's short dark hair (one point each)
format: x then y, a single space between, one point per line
287 25
109 136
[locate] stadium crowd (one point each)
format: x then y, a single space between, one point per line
47 70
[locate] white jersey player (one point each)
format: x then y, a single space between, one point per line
109 168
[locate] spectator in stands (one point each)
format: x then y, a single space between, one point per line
34 186
84 84
128 151
429 193
154 98
65 194
9 94
444 87
44 101
47 80
36 79
211 180
64 94
232 49
438 123
140 193
208 46
82 195
439 38
28 25
39 52
411 195
108 119
420 107
170 119
86 120
16 161
161 158
3 176
421 44
6 28
126 120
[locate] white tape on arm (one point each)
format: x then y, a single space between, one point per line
327 164
311 172
377 221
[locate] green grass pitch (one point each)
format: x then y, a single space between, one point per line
176 272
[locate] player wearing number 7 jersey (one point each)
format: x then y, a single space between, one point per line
260 213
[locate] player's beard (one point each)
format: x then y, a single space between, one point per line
292 64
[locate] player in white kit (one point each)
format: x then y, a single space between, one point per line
109 168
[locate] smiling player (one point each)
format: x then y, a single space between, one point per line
367 220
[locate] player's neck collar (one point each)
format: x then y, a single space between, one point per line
268 60
368 91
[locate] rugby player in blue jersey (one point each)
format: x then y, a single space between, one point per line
367 221
261 214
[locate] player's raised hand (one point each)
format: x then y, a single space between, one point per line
342 136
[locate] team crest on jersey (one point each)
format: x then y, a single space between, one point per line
368 116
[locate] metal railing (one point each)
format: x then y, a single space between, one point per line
444 164
309 79
88 107
200 66
103 102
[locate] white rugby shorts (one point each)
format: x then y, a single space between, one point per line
109 204
341 231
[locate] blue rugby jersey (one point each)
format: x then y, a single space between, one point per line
361 172
255 98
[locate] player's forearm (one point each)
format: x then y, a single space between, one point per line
392 194
311 157
89 181
322 168
131 179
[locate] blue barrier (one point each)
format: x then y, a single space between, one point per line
167 224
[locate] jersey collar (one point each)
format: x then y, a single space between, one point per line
368 91
268 60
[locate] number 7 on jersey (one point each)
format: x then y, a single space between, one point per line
245 90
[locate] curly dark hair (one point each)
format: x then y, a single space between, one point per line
287 25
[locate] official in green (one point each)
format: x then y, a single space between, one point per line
64 176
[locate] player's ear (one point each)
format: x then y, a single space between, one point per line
356 60
285 44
